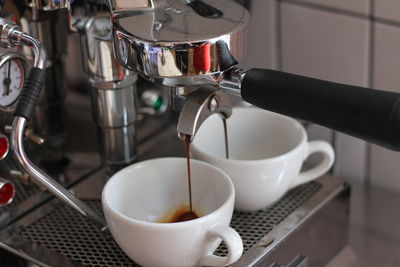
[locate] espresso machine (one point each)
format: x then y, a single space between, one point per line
156 69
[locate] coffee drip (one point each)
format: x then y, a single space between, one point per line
226 138
190 215
186 139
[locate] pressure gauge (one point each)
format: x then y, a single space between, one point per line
13 68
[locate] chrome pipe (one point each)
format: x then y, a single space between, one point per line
11 36
40 55
113 91
42 178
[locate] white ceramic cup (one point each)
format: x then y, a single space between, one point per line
266 153
137 196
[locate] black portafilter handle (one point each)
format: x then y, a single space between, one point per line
369 114
30 93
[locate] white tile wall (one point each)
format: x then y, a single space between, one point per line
316 132
334 47
385 164
386 57
385 168
359 6
261 50
325 45
351 158
387 9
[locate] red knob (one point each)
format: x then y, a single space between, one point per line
4 146
7 192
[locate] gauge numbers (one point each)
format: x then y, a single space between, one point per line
12 74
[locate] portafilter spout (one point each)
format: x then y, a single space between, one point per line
199 105
11 36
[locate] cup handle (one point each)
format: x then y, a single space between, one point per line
329 156
233 242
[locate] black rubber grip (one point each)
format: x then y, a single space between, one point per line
30 93
369 114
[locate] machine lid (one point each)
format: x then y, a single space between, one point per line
175 21
180 39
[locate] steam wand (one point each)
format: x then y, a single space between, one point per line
11 36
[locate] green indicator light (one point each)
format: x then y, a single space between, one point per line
158 103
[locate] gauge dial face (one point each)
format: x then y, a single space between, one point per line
11 79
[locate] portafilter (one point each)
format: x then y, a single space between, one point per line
192 44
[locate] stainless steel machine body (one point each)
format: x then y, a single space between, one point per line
50 29
178 44
189 46
113 91
116 130
12 36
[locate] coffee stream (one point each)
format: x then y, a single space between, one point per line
186 139
190 215
226 139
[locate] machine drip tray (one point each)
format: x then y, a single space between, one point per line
55 235
66 233
310 221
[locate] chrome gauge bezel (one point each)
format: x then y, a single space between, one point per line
26 65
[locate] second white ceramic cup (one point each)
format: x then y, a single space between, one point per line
135 198
266 153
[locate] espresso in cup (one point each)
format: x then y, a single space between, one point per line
140 202
181 214
266 153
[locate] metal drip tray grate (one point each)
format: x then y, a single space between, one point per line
65 232
71 235
252 226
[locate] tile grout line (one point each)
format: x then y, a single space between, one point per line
371 62
370 81
344 12
386 22
335 139
327 9
278 32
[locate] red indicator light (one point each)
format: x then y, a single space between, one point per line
4 146
6 192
